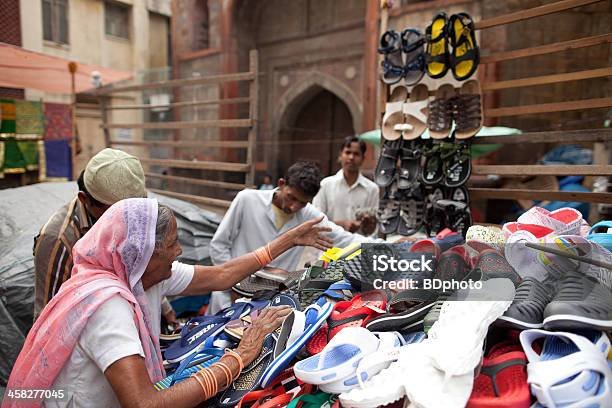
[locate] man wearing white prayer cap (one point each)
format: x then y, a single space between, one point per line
110 176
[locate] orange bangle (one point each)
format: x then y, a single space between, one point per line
210 381
201 385
267 255
227 372
204 379
269 251
213 381
264 256
232 353
261 257
254 253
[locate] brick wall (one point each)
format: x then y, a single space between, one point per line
10 29
10 33
12 93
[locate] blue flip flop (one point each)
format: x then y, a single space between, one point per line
199 329
285 300
188 367
315 316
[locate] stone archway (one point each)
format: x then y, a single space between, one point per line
294 98
311 119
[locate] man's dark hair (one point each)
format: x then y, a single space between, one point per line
306 176
81 184
353 139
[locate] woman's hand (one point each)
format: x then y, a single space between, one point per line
252 340
306 234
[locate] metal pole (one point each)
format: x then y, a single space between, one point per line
72 67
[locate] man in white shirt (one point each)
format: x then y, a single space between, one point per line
347 193
256 217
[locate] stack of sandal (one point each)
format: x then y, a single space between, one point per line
423 178
447 164
402 208
411 168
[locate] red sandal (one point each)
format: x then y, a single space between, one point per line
351 313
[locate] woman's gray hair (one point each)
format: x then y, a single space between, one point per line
164 218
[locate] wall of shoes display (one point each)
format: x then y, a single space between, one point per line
428 125
425 155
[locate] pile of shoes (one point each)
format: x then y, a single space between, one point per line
492 333
423 177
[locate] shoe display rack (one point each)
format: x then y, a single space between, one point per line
424 177
423 180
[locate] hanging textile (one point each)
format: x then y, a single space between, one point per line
29 118
14 162
7 114
58 121
55 160
29 151
1 159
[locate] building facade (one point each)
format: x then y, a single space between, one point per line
126 35
320 68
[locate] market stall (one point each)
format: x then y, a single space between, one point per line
39 138
503 311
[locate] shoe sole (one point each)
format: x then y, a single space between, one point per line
566 321
392 396
511 322
384 320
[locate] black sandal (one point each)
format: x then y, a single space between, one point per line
457 163
389 210
436 55
436 222
412 213
465 56
460 194
458 215
393 66
432 167
387 162
410 164
412 46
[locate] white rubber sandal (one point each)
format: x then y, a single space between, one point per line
571 371
339 358
370 365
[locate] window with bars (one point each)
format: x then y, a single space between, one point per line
117 20
55 20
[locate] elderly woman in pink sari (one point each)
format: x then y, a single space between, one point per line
97 340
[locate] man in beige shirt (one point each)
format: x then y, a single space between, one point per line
348 198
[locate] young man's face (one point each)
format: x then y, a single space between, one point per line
351 157
290 199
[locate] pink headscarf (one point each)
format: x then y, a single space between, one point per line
109 260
